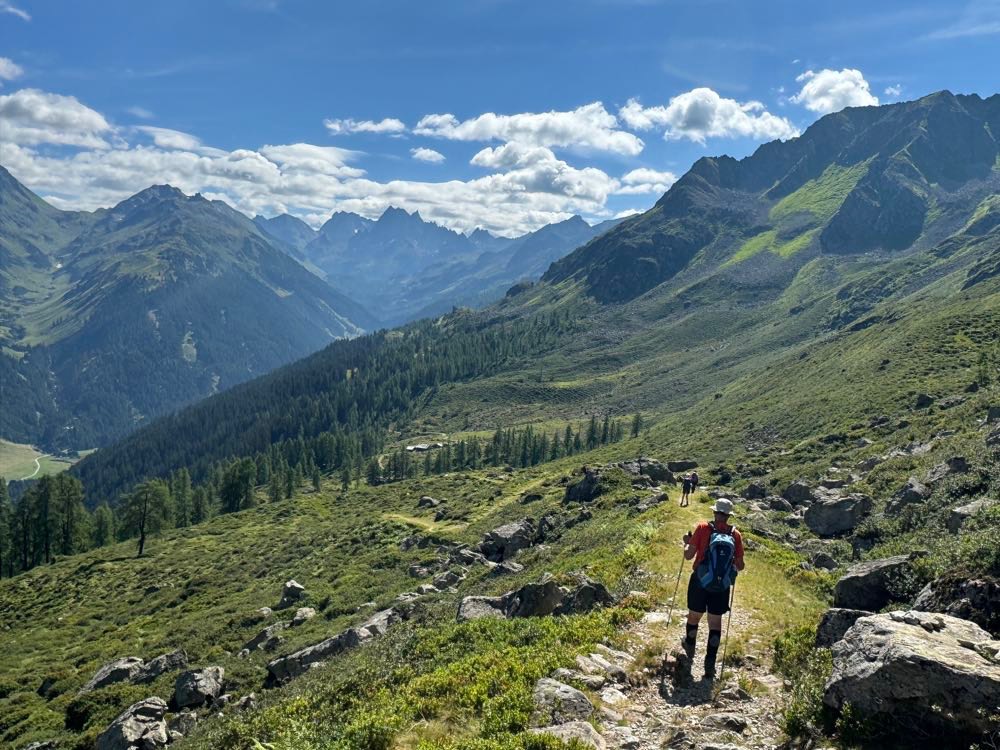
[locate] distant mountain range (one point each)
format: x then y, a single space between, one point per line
408 268
113 317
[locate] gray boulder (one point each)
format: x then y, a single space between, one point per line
954 465
479 607
824 560
556 703
291 592
958 516
974 599
684 465
503 542
993 414
286 667
537 600
919 670
302 614
798 493
138 727
779 503
835 515
755 491
198 687
125 669
507 567
911 493
586 596
587 488
872 585
428 502
655 470
267 638
835 622
993 439
581 731
922 401
161 665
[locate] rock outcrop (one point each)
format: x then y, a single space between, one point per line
872 585
835 622
958 516
973 599
138 727
911 493
198 687
291 592
556 703
835 515
286 667
503 542
954 465
124 669
917 669
581 731
537 600
798 493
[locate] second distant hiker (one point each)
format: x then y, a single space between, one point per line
717 550
685 490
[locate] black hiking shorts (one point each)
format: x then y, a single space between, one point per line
699 600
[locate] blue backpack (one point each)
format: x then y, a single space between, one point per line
716 571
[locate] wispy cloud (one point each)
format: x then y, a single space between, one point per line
389 125
140 112
978 18
6 7
9 70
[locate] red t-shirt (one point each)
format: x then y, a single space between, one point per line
702 536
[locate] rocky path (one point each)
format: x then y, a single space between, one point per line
654 711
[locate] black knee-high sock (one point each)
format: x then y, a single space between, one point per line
692 634
714 639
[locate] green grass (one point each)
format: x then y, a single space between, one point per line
822 196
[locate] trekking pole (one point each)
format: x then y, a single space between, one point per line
677 587
729 621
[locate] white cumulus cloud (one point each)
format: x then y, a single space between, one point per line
31 117
588 127
427 154
642 181
828 90
9 70
390 125
701 113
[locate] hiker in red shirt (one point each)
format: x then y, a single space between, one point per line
717 551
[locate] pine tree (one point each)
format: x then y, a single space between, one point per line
592 433
636 424
606 430
6 529
345 477
275 492
145 510
289 482
317 479
68 499
180 489
104 525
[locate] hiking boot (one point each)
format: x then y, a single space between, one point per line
709 669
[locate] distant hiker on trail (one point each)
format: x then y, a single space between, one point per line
717 551
694 481
685 489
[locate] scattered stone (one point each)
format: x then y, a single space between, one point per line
42 745
183 723
292 665
949 402
537 600
872 585
828 483
831 516
267 639
503 542
958 516
774 502
291 592
507 567
656 471
678 466
530 497
479 607
258 616
824 561
161 665
869 463
198 687
120 670
735 693
993 439
954 465
580 731
246 703
613 696
992 414
975 599
448 578
727 721
428 502
615 671
835 622
138 727
911 493
755 491
922 401
587 488
556 702
302 614
919 675
426 588
798 493
591 681
622 738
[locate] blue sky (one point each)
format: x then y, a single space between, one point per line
488 113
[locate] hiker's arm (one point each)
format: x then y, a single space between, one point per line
690 547
738 557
